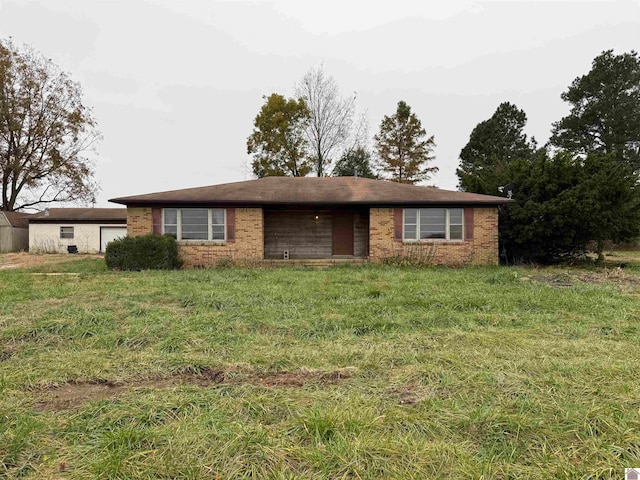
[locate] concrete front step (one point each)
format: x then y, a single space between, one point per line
316 262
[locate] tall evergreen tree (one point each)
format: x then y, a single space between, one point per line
608 200
356 161
403 146
605 110
493 145
562 202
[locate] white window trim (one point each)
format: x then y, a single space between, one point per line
224 225
209 225
447 225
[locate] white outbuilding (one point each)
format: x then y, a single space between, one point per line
76 230
14 231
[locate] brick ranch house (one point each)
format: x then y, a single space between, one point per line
320 218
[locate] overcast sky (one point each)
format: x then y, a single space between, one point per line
175 84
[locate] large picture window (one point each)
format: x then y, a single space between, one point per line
195 223
433 223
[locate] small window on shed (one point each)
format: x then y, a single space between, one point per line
66 232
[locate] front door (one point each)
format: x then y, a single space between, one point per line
342 233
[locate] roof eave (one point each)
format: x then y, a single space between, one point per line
78 220
142 202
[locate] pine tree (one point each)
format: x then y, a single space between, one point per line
403 146
358 160
605 110
493 145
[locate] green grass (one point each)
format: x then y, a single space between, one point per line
78 265
362 372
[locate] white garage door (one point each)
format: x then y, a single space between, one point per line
108 234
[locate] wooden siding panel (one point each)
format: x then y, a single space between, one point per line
307 238
361 234
299 232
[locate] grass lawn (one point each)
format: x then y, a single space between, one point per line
350 372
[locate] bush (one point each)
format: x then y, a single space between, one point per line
416 255
225 262
146 252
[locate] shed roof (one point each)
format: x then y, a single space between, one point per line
17 219
312 191
80 215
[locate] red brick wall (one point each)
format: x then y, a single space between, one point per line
482 249
248 243
139 221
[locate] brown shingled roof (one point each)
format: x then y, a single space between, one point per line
311 191
80 215
17 219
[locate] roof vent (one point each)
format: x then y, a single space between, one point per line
46 212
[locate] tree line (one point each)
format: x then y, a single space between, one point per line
583 185
320 132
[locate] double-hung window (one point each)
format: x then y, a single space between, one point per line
207 224
433 223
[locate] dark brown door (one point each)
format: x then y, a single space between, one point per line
342 233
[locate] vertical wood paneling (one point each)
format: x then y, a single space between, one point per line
299 232
361 233
306 237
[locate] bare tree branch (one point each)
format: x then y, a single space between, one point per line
331 127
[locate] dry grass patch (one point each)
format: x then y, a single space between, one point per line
28 260
570 277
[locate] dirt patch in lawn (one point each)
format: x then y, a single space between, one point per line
30 260
298 378
5 355
411 394
73 394
616 276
